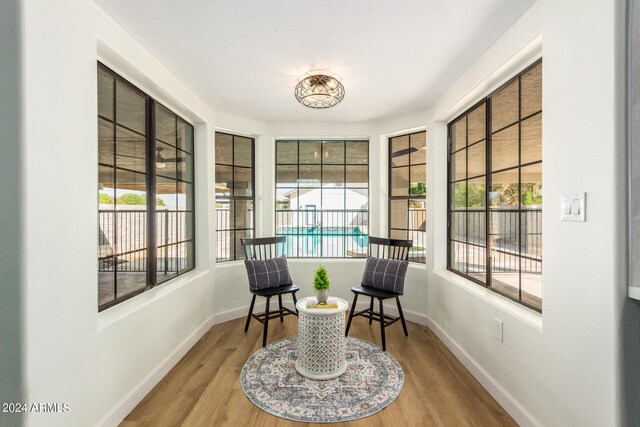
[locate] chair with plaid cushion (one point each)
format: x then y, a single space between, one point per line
268 275
383 278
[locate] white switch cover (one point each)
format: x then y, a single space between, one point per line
499 331
573 206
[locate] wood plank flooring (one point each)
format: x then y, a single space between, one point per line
203 389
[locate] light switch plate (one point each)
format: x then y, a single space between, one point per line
573 207
499 329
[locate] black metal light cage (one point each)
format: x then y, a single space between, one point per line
319 91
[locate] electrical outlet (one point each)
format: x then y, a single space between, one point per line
499 331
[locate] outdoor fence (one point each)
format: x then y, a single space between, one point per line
515 237
227 236
417 233
324 233
327 233
515 240
122 240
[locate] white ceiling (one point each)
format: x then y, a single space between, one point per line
244 57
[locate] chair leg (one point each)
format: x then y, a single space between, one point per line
253 301
404 324
371 311
266 323
280 307
384 342
353 307
295 302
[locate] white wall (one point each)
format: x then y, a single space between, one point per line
231 281
231 278
182 311
101 364
59 113
561 367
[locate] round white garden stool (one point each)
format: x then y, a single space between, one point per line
321 341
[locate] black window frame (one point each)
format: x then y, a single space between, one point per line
488 172
407 197
299 211
236 255
151 229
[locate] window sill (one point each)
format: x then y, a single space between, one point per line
412 265
229 263
526 315
118 312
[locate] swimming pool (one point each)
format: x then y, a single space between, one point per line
325 242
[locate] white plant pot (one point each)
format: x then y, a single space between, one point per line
322 295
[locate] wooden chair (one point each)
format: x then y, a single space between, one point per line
261 249
389 249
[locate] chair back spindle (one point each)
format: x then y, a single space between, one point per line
389 248
262 248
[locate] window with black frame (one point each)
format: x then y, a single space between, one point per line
495 236
322 197
145 191
235 198
407 191
174 193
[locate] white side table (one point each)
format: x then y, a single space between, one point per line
321 341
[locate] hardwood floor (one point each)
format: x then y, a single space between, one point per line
203 389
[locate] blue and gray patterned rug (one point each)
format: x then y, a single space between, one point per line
372 381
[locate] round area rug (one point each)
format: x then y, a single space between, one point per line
372 381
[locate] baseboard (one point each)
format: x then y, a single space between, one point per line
237 313
495 389
390 308
129 402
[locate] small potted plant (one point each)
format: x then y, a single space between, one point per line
321 284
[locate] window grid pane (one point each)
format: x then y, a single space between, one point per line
234 194
141 242
322 197
499 243
407 191
174 196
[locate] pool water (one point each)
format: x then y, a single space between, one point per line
327 242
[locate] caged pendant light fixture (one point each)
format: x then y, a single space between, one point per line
319 89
